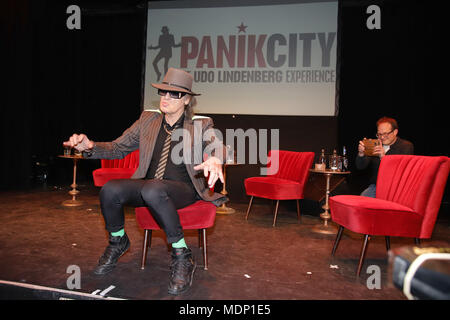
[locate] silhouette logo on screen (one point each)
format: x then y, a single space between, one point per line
166 42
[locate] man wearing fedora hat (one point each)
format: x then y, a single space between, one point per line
160 183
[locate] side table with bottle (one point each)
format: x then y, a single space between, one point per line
75 156
338 165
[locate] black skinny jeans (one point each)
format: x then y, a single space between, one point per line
162 197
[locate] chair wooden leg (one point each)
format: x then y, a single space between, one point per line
363 254
146 244
388 243
276 212
205 253
249 206
336 241
298 210
417 241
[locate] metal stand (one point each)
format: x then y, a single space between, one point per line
326 228
74 192
223 209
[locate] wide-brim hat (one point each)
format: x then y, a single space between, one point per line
177 80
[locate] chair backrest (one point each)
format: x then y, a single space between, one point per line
417 182
291 165
131 160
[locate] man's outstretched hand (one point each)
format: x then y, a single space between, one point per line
213 168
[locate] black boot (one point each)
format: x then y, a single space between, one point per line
182 270
116 248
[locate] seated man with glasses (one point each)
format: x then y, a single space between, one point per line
165 179
389 143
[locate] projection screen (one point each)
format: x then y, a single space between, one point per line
266 59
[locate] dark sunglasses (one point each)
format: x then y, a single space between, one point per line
172 94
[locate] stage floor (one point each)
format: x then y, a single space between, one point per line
248 260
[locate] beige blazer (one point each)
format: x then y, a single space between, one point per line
142 135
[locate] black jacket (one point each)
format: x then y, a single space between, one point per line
400 146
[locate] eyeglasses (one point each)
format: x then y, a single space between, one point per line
380 135
172 94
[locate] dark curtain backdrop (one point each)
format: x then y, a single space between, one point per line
397 71
61 81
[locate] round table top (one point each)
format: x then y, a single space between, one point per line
72 156
328 171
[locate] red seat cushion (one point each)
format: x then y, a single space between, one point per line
273 188
199 215
374 216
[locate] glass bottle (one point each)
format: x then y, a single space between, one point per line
334 161
321 162
344 159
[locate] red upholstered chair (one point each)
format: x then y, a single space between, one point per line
408 197
116 169
197 216
286 183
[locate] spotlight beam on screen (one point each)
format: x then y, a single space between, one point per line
265 59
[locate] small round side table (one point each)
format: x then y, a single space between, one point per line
325 227
74 192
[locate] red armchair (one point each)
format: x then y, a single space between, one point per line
199 215
286 183
116 169
408 197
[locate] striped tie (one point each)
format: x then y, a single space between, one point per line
164 155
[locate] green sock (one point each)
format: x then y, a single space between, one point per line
119 233
179 244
